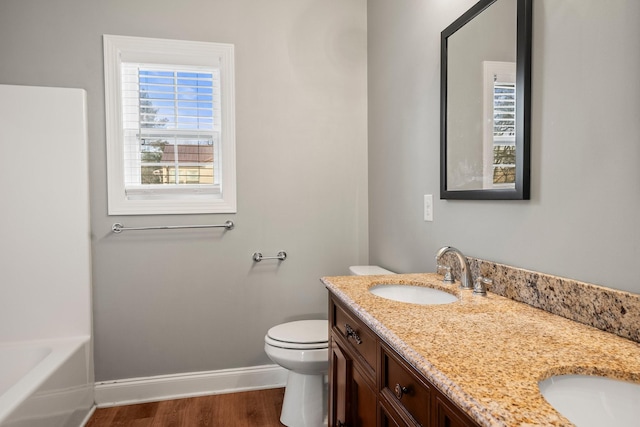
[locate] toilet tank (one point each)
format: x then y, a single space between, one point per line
367 270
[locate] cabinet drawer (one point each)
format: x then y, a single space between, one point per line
359 337
389 417
448 415
401 387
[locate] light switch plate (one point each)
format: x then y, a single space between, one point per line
428 207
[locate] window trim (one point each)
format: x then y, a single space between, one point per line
119 49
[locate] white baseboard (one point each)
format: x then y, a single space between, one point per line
164 387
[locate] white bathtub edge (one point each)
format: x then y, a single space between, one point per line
165 387
88 416
20 393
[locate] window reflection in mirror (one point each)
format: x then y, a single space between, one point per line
499 124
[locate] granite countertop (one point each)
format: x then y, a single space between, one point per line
487 354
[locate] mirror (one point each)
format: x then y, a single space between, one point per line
484 106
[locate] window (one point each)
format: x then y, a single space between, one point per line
499 139
170 126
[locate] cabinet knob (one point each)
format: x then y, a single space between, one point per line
401 391
341 424
351 333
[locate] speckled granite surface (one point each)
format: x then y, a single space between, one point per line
608 309
488 353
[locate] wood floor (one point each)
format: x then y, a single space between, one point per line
247 409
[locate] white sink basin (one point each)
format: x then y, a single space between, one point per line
412 294
593 401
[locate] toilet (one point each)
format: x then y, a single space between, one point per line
302 347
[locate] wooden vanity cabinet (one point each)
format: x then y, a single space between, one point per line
371 385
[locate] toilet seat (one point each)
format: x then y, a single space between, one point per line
295 346
299 335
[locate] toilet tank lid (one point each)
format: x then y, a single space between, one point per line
301 331
368 270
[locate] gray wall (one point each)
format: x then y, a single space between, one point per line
180 301
582 219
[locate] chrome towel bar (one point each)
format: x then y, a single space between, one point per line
257 256
119 228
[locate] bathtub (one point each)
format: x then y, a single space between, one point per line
45 383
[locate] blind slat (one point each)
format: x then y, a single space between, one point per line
504 109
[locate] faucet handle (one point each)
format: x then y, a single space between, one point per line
448 277
480 285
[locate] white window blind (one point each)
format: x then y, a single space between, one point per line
171 126
504 110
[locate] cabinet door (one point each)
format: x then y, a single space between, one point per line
352 401
340 374
364 402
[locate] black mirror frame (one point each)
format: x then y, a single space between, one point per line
523 108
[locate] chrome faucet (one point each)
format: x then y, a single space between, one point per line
465 273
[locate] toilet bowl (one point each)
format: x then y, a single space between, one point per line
302 348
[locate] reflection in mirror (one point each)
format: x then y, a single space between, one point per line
485 91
